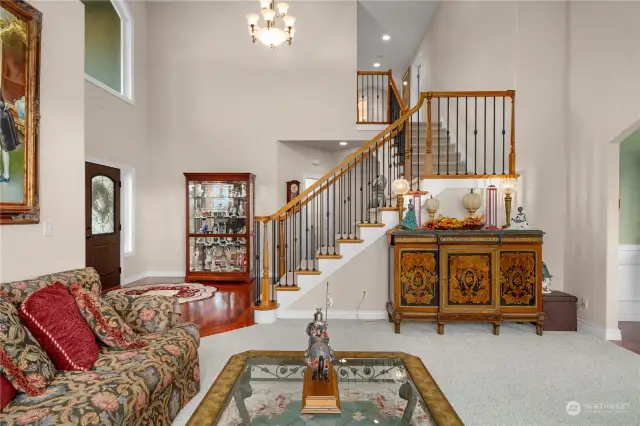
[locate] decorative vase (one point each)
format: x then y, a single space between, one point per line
433 204
472 202
492 207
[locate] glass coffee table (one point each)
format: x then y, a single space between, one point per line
376 388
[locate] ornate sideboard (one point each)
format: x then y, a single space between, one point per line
465 276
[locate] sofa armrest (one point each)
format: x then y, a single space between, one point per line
144 313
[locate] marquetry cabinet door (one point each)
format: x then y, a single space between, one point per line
417 287
468 280
520 279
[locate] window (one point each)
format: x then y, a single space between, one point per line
108 46
128 212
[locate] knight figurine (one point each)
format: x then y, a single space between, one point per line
319 354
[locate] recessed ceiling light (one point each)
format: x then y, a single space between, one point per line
343 143
386 37
376 64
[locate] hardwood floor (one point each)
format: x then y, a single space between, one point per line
231 307
630 336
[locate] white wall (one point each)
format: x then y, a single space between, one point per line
116 135
509 51
577 92
347 283
25 252
604 101
217 103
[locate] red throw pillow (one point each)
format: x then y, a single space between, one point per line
52 317
7 392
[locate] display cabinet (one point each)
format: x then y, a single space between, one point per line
219 235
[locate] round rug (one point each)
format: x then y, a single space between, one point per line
184 292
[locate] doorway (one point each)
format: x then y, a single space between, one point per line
406 88
102 221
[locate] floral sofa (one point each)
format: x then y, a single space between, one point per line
146 386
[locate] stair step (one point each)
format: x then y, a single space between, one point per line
371 225
329 256
308 272
351 241
287 288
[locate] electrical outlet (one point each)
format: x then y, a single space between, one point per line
585 303
364 293
48 228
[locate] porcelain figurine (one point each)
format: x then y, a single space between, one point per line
519 222
208 259
241 209
409 221
196 257
546 279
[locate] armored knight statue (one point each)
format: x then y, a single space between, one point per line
319 356
378 186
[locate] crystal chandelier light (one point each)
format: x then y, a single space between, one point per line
270 35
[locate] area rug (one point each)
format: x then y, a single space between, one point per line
184 292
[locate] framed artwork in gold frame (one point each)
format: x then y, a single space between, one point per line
20 33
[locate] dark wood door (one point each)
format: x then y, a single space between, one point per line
102 210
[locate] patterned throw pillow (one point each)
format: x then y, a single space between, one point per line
104 320
52 317
22 360
7 392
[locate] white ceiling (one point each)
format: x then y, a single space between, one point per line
404 21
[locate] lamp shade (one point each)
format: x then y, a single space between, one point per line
272 37
283 8
265 4
289 20
433 204
268 14
508 185
252 18
400 186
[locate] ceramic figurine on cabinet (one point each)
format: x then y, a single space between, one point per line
319 355
546 279
409 221
520 221
208 259
196 258
241 209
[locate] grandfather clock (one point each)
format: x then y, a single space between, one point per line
293 189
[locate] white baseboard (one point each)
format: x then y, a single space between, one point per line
586 327
169 274
333 314
629 310
628 254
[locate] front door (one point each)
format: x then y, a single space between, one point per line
102 212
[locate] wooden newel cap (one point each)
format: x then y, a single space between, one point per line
262 218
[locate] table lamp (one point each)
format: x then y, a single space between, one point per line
400 187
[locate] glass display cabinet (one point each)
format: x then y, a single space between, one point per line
219 233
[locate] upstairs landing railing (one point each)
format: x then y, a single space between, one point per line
445 135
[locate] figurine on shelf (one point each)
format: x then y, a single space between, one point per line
319 354
220 193
546 279
199 190
241 209
196 257
409 221
229 209
208 259
378 186
240 258
227 256
519 222
205 227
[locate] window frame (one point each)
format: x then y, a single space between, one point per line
126 51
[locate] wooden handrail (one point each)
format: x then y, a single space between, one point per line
347 160
307 195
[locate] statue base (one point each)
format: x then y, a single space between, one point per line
320 397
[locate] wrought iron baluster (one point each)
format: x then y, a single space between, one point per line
504 148
485 136
475 138
457 134
306 238
333 209
494 135
438 156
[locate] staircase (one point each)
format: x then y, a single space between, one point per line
353 206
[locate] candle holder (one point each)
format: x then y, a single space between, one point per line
492 207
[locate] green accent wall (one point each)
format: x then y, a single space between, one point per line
630 189
103 57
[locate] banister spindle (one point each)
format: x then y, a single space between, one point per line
512 154
429 156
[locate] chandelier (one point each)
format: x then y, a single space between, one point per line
270 35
